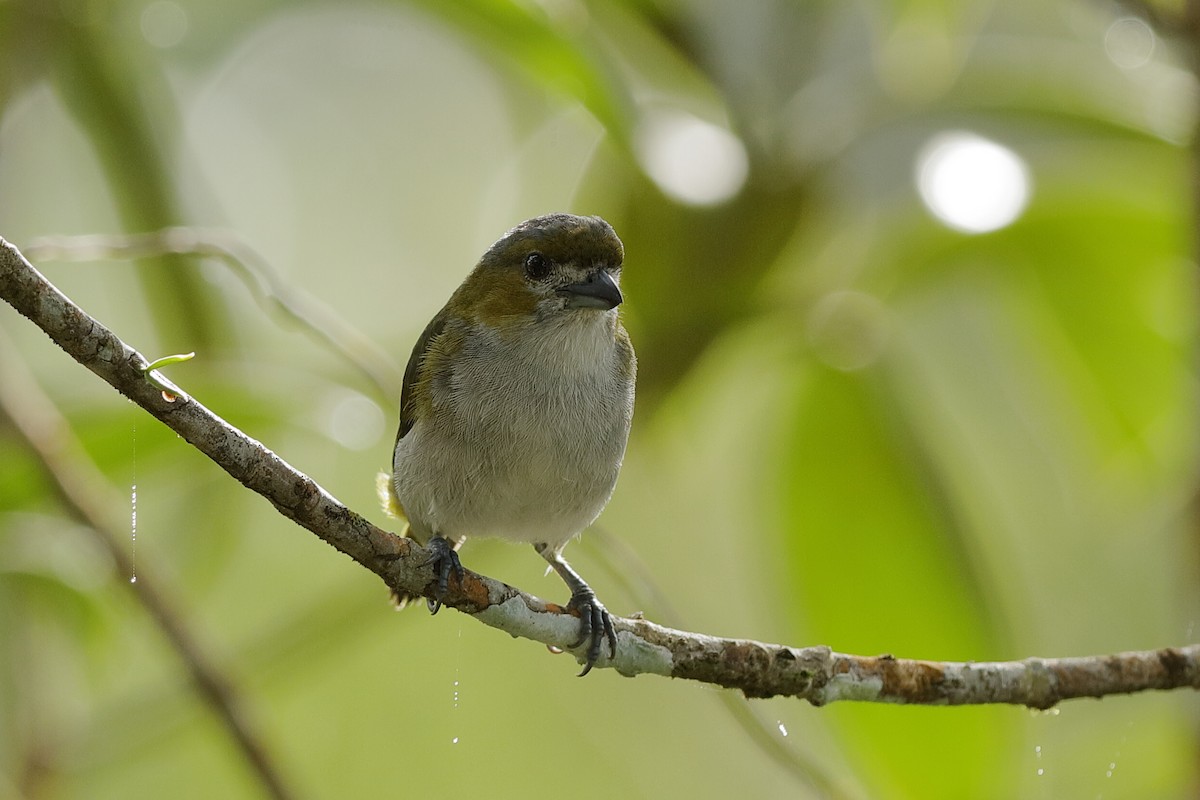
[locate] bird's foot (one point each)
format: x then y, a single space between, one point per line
444 559
595 626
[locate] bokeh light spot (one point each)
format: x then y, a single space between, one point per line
692 161
352 420
1129 43
164 23
848 330
970 183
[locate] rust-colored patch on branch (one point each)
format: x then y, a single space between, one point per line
914 681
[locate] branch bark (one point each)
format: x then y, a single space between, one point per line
816 674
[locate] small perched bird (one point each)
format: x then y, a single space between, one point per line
516 405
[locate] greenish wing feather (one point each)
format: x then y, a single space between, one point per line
412 372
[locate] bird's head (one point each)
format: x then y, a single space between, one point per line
545 268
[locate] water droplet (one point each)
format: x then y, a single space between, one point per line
133 579
555 650
782 729
455 686
1041 771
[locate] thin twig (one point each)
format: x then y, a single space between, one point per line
757 669
265 283
87 495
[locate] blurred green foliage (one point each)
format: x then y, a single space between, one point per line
857 425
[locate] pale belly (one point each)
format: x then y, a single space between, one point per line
531 484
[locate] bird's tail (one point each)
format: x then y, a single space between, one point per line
386 491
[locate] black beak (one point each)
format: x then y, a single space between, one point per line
598 291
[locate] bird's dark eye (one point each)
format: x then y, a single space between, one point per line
537 266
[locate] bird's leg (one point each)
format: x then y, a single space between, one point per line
595 623
444 558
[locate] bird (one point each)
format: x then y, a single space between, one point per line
516 407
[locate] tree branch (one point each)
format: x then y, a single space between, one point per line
757 669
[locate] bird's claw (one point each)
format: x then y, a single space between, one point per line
444 559
595 626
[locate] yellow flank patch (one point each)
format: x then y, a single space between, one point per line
387 497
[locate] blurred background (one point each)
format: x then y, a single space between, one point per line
911 283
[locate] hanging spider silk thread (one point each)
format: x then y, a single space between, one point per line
457 672
133 512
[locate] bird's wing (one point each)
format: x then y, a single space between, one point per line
412 372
